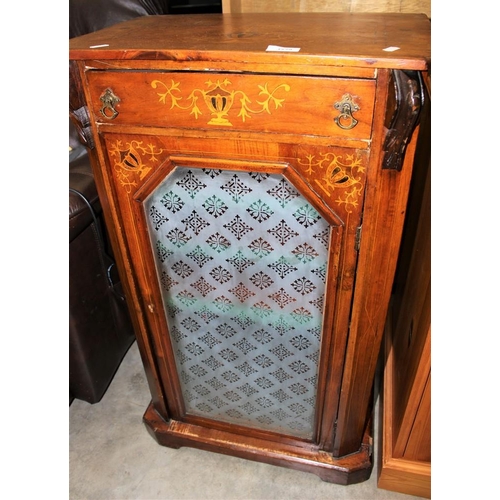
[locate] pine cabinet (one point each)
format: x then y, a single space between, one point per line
254 172
405 430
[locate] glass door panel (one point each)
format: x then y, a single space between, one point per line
241 259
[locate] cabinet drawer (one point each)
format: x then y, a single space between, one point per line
329 107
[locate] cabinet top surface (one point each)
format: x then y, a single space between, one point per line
388 40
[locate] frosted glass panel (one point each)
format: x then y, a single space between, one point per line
241 259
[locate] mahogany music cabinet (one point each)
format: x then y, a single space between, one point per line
254 171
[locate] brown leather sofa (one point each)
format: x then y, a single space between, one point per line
100 329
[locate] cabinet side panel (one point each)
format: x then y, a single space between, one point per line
419 444
384 213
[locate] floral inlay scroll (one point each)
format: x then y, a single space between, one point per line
219 99
332 173
133 159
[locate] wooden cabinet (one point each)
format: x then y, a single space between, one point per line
254 173
352 6
405 461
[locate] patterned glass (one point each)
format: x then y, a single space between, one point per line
241 259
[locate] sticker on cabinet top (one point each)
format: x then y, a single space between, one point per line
277 48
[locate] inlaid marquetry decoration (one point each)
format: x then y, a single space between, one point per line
219 98
332 173
133 160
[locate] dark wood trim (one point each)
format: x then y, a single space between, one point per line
353 469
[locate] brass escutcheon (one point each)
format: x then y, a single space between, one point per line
346 107
109 100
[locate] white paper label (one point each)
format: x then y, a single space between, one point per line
277 48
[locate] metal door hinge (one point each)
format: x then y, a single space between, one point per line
357 239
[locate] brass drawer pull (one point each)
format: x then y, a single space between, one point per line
346 107
109 100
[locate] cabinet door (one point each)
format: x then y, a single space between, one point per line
243 255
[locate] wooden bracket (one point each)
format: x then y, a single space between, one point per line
409 94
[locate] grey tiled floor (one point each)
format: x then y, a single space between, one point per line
112 457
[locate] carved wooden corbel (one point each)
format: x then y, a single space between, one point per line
409 97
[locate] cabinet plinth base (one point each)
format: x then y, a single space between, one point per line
351 469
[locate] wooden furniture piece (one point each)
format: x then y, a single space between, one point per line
399 6
254 171
405 461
